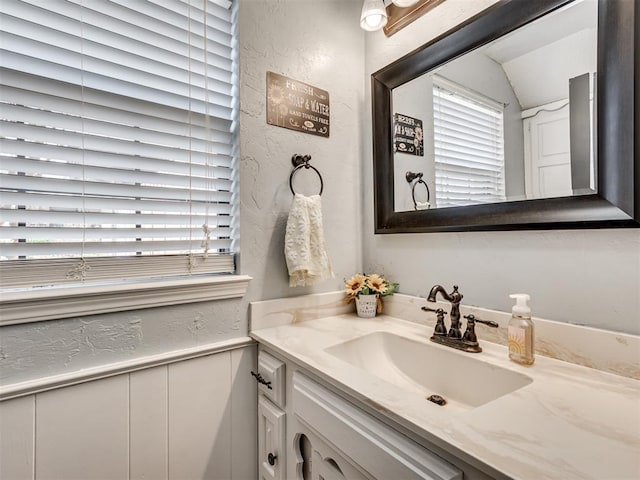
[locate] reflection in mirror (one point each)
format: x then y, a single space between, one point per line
511 120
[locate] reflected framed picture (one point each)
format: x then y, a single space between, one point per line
408 136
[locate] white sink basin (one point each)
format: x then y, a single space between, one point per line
464 381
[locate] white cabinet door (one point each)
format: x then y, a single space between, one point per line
271 444
325 463
375 447
331 469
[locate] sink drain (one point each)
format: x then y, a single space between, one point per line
437 399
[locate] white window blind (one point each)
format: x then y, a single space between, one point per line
469 146
116 136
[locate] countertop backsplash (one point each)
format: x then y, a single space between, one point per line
605 350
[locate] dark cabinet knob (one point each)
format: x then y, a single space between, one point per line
271 458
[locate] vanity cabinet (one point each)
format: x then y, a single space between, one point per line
328 436
271 417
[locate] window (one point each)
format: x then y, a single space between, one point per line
117 139
469 146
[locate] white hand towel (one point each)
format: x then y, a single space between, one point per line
304 246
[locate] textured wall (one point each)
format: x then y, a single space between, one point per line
34 350
317 42
589 277
314 41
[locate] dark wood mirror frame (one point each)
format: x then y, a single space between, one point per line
617 203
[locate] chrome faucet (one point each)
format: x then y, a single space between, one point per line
467 342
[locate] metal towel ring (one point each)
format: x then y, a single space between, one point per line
410 176
302 161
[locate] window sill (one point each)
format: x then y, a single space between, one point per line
63 302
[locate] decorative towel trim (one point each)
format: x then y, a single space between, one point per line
304 246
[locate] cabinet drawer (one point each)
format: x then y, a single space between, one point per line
272 370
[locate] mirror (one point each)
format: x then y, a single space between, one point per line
503 122
519 118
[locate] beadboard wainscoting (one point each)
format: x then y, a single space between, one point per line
191 418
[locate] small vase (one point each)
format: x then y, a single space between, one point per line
366 305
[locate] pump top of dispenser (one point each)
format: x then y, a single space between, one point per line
521 308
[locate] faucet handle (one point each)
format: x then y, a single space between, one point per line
470 333
490 323
440 328
429 309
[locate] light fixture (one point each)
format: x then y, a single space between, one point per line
404 3
374 15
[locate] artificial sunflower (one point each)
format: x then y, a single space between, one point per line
377 283
354 286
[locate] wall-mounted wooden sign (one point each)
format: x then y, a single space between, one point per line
297 105
407 135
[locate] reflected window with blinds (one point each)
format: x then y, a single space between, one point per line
117 140
469 146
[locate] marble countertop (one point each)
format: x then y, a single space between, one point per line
570 422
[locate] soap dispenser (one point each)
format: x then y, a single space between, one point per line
520 331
